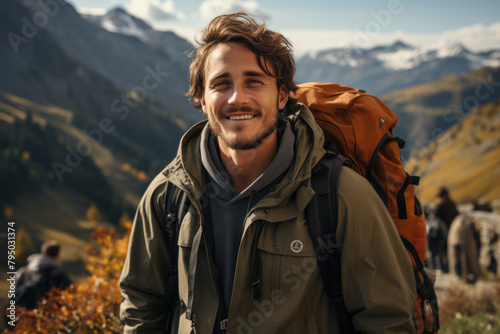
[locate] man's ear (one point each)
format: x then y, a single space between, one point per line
203 105
283 95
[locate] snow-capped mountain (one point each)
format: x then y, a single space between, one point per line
120 21
385 68
409 57
123 59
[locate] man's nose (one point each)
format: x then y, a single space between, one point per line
238 96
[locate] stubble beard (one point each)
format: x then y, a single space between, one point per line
241 144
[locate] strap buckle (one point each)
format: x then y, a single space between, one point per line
223 325
327 244
190 316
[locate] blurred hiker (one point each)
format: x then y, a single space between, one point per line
485 206
464 248
492 261
246 262
446 209
40 274
437 234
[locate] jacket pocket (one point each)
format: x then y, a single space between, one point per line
289 269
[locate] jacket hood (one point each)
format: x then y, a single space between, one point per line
186 170
40 263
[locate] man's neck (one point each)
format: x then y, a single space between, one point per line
245 166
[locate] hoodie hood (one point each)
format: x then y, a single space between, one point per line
40 263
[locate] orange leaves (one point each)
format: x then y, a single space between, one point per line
88 307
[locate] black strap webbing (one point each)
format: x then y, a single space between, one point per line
369 170
322 217
400 197
175 209
425 288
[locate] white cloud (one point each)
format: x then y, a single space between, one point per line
478 37
91 11
211 8
187 32
154 10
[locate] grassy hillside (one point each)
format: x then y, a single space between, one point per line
35 152
427 111
103 157
465 158
441 96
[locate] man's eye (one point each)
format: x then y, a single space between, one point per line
254 82
221 84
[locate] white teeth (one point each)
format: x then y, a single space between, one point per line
241 117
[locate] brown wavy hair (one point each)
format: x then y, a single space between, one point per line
272 48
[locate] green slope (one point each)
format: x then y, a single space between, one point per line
465 159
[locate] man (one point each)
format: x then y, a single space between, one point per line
41 273
446 209
246 261
437 234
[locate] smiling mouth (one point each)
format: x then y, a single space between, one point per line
240 117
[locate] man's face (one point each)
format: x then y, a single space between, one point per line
240 99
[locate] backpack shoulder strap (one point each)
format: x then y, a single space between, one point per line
425 290
322 218
176 205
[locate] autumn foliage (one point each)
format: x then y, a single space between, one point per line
88 307
479 299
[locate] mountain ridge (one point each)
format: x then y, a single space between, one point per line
109 54
382 69
118 20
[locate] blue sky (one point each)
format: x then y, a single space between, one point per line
320 24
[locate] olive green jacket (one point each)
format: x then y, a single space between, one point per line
377 275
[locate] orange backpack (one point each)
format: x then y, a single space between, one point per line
360 127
